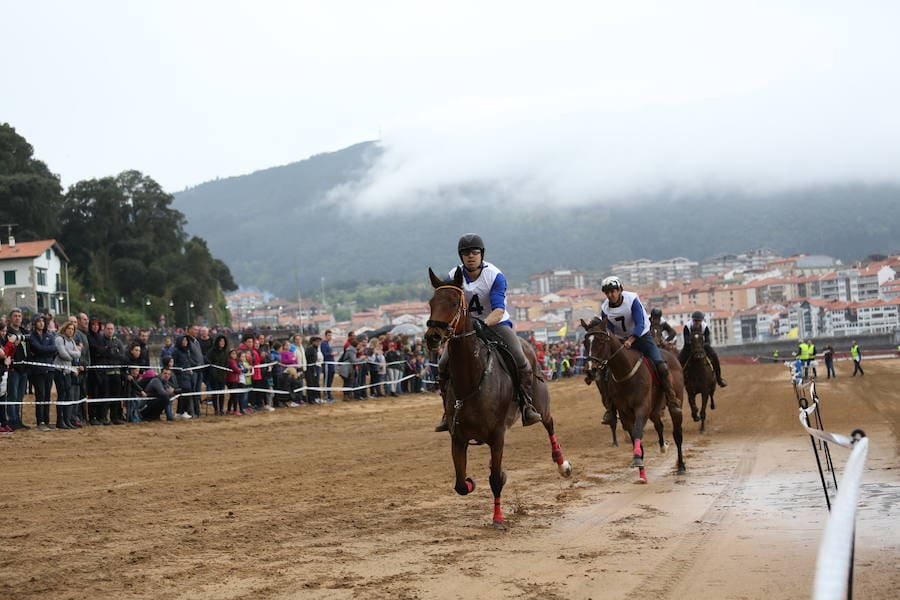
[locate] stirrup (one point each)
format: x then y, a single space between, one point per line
722 382
530 416
608 418
443 425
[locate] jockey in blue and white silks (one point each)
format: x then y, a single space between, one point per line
486 293
626 317
484 286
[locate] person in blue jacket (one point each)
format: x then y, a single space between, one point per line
627 319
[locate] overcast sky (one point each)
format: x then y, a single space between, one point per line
574 101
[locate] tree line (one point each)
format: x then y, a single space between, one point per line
130 257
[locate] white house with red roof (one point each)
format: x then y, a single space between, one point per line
34 274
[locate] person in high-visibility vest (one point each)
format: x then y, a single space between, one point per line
856 355
806 351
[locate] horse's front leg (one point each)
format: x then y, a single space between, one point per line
677 433
464 485
660 431
498 479
612 429
705 398
637 434
692 400
556 453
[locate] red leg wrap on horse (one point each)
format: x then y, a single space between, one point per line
470 486
637 447
556 451
498 514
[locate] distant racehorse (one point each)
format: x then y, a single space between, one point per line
480 397
633 391
699 378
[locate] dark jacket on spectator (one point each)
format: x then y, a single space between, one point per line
218 357
42 348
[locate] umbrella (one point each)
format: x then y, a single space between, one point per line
406 329
381 330
370 333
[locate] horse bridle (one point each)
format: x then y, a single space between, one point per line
603 364
450 328
597 359
698 353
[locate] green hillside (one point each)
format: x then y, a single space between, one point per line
276 229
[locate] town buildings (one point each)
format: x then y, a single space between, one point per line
35 274
756 296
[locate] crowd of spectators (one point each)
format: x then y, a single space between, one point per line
228 373
560 359
232 375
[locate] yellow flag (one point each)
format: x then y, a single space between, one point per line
793 333
563 330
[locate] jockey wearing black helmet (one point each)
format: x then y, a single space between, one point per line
626 318
484 286
697 326
661 330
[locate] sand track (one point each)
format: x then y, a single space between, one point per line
355 500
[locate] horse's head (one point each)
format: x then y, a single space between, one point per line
697 344
596 346
448 309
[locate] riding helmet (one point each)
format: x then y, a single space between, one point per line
697 315
656 313
469 241
610 283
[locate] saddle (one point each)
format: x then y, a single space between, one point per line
492 340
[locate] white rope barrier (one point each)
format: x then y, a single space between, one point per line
834 565
223 391
835 559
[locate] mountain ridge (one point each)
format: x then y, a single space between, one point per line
279 230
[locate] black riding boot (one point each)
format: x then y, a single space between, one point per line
714 359
442 387
530 416
609 417
443 425
665 378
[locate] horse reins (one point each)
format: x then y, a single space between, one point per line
604 363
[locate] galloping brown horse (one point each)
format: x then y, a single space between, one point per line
632 389
699 378
480 396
